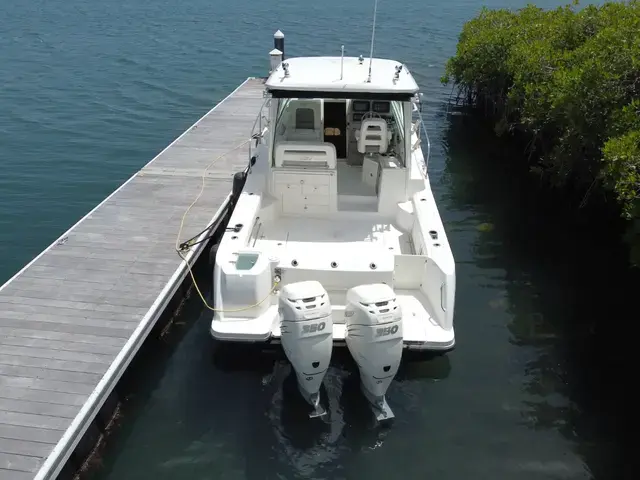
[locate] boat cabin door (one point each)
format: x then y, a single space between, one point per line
335 125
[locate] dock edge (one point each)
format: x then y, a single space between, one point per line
58 458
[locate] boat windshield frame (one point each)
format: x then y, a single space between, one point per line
400 108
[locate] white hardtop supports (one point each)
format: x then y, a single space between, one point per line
323 74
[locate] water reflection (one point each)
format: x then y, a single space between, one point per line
559 307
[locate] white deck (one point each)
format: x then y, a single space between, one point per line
323 237
350 181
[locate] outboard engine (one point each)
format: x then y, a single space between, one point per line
307 336
374 338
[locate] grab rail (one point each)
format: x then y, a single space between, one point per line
257 135
420 121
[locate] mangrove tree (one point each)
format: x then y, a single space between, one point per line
568 82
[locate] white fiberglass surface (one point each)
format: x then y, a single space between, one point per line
350 181
418 324
319 235
344 74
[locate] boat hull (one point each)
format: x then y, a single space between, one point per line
266 331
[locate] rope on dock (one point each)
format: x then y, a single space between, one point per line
183 247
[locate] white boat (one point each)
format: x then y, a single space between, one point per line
336 237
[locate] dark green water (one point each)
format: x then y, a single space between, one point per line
92 90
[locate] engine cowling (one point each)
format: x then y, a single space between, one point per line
307 335
374 337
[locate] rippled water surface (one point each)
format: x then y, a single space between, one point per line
92 90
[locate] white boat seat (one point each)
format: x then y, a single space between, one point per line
305 155
306 121
373 136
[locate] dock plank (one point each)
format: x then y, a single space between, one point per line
21 447
21 463
74 314
33 420
66 365
54 398
58 328
29 434
8 382
70 346
66 337
38 408
14 475
49 374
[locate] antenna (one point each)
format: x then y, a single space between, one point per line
373 36
342 62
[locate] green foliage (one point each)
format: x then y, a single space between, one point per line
569 79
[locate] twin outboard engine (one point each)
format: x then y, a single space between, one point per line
374 337
307 336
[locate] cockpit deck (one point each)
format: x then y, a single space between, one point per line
313 236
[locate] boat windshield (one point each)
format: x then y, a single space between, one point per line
338 121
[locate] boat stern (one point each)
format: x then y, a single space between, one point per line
245 329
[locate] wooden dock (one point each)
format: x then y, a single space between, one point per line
73 318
